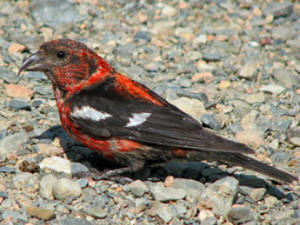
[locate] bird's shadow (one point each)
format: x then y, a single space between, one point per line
190 170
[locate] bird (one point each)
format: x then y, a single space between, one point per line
124 121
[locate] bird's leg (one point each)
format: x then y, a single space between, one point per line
97 175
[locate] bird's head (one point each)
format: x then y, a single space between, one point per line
66 63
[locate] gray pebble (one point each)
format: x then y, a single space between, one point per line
15 215
279 9
280 156
19 103
78 168
160 193
240 215
83 182
97 212
7 75
193 188
46 13
24 180
221 194
73 221
210 121
138 188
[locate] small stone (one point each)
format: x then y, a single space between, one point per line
56 164
168 11
23 181
190 106
206 77
73 221
280 156
163 212
138 188
272 88
295 141
97 212
15 47
248 71
18 91
210 121
160 193
83 182
65 188
279 9
19 103
78 168
46 186
221 194
14 214
40 213
210 221
285 77
205 214
255 98
12 143
193 188
224 84
249 137
257 194
240 215
271 201
49 149
211 56
7 75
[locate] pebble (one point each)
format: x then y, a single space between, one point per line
138 188
97 212
45 13
248 71
12 143
65 188
285 77
257 194
210 121
18 91
56 164
221 194
163 194
26 181
192 107
249 137
193 188
78 168
20 103
46 186
41 213
163 212
15 215
272 88
279 9
240 215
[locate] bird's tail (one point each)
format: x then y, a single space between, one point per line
236 159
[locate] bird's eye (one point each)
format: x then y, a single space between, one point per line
61 54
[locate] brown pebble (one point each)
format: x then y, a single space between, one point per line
44 214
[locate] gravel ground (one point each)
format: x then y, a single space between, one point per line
233 65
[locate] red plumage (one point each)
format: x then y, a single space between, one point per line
124 120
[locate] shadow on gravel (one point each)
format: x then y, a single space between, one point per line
198 171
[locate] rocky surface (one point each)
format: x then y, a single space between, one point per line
233 65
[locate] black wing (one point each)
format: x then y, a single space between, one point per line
160 125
